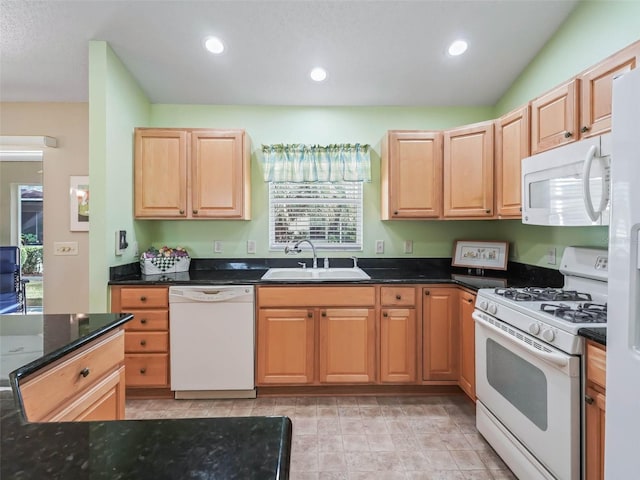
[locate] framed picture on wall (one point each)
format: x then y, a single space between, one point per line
480 254
79 203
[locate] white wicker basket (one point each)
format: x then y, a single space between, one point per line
159 265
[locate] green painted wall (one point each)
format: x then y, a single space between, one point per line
116 106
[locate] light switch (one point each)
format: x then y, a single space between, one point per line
379 246
251 246
217 246
65 248
408 246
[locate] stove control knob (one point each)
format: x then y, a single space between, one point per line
534 329
548 335
493 308
483 305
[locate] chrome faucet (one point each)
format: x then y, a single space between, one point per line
296 249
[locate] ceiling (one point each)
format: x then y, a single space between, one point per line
382 52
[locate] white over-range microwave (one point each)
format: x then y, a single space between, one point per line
568 185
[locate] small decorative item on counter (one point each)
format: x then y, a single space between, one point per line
164 260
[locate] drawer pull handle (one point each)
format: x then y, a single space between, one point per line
398 297
143 342
143 371
143 298
85 372
143 321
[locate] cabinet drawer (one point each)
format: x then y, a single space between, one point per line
139 342
47 391
596 364
147 370
144 298
391 296
148 320
316 296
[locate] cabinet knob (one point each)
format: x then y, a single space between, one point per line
195 212
488 211
395 213
143 321
469 300
324 314
588 399
426 292
568 134
143 342
385 314
584 129
85 372
181 212
398 297
143 370
309 314
143 298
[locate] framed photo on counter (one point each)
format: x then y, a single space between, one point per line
480 254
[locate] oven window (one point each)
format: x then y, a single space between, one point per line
524 385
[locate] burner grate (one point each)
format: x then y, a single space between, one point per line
542 294
582 313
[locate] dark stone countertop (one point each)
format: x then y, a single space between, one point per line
230 448
597 334
386 270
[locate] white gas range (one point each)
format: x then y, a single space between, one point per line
529 366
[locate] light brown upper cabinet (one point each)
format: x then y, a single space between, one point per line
411 175
468 171
192 174
596 84
554 117
512 145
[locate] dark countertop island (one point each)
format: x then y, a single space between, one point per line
230 448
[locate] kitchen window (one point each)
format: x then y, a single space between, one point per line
327 213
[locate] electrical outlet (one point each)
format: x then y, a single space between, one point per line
408 246
379 246
551 256
65 248
217 246
251 246
136 252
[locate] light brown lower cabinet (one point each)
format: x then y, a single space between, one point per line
467 345
595 408
440 333
285 346
84 385
398 345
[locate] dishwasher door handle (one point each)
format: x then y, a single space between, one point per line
208 295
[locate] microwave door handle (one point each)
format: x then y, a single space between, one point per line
586 188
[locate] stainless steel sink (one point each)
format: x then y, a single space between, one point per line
315 274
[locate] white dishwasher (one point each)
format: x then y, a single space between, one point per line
212 341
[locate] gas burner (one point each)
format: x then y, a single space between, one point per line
542 294
582 313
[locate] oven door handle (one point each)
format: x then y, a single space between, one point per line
555 359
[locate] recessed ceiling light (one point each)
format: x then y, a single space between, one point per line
457 48
318 74
214 45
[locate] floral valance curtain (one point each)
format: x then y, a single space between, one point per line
316 163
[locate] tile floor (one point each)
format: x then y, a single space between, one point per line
362 438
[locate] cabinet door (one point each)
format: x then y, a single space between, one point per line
594 434
512 145
160 173
468 171
285 348
219 174
440 333
467 345
596 85
554 117
398 345
411 175
347 345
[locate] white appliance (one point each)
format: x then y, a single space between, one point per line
623 332
529 366
212 341
568 185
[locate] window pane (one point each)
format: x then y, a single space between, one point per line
329 214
